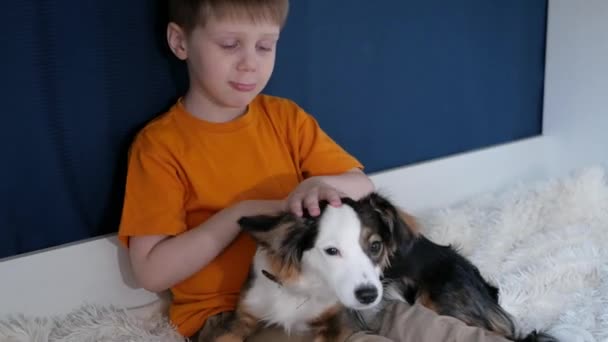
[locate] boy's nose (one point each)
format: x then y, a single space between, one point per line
247 63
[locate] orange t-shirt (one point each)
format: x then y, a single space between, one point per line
182 170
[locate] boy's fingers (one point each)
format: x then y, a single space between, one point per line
295 204
298 201
285 204
296 209
333 197
311 202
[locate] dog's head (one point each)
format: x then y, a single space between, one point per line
346 247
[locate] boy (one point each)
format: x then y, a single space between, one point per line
221 152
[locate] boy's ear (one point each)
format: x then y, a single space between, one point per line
176 39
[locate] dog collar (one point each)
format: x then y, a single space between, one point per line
271 277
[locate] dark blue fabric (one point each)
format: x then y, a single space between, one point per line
398 82
79 78
394 82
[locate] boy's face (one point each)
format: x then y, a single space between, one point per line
230 61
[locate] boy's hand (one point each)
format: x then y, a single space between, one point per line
309 193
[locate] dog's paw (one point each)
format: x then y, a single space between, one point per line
229 338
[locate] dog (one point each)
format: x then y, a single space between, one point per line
307 269
441 279
321 274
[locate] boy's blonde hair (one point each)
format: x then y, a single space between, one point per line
190 13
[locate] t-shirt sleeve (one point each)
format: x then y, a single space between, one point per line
319 153
154 192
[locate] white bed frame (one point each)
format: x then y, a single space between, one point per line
575 124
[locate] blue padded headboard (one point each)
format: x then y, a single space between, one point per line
398 82
395 84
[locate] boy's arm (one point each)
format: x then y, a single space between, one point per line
353 183
161 261
329 171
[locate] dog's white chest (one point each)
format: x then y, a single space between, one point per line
293 308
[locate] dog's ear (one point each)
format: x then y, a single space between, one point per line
267 230
300 238
400 224
285 237
260 223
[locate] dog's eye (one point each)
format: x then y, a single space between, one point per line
375 247
332 251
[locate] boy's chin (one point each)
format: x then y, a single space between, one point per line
240 100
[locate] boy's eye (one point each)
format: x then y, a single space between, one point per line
229 45
266 45
264 48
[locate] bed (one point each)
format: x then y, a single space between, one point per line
544 243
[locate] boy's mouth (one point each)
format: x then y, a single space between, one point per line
244 87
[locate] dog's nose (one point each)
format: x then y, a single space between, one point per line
366 294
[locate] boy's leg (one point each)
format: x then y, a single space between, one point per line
400 322
404 323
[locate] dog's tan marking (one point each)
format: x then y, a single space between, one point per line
229 338
216 325
328 327
425 300
385 262
249 322
284 269
410 221
499 323
368 236
243 325
365 238
285 273
271 240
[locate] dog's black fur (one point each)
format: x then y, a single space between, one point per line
440 278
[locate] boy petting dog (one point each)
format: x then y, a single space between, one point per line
224 151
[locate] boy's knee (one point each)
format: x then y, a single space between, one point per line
403 322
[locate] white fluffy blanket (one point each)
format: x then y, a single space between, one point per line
91 323
545 245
